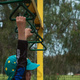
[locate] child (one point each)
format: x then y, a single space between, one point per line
21 54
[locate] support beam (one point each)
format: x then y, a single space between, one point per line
40 53
33 9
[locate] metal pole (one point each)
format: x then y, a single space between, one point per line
40 53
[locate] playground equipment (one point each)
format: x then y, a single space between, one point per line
36 15
31 14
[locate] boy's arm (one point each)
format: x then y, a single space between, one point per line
22 43
21 54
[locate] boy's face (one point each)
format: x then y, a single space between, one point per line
28 75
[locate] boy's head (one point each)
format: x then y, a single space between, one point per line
10 67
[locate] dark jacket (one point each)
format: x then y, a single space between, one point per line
21 55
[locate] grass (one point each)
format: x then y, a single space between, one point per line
69 77
62 77
3 77
58 77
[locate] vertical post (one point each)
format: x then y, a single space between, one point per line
39 46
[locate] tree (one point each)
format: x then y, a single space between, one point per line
61 27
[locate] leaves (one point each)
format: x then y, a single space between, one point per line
62 35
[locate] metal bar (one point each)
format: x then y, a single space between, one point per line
10 17
14 1
9 2
30 48
21 4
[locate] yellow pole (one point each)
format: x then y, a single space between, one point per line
39 46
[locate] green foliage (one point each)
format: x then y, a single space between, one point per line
61 21
62 28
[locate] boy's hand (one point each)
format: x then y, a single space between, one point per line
28 33
21 24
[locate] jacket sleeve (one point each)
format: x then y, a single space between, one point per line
21 55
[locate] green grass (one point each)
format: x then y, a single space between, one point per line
69 77
57 77
62 77
3 77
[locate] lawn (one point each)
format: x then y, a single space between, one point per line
69 77
62 77
3 77
58 77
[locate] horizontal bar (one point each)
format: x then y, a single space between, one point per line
13 1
